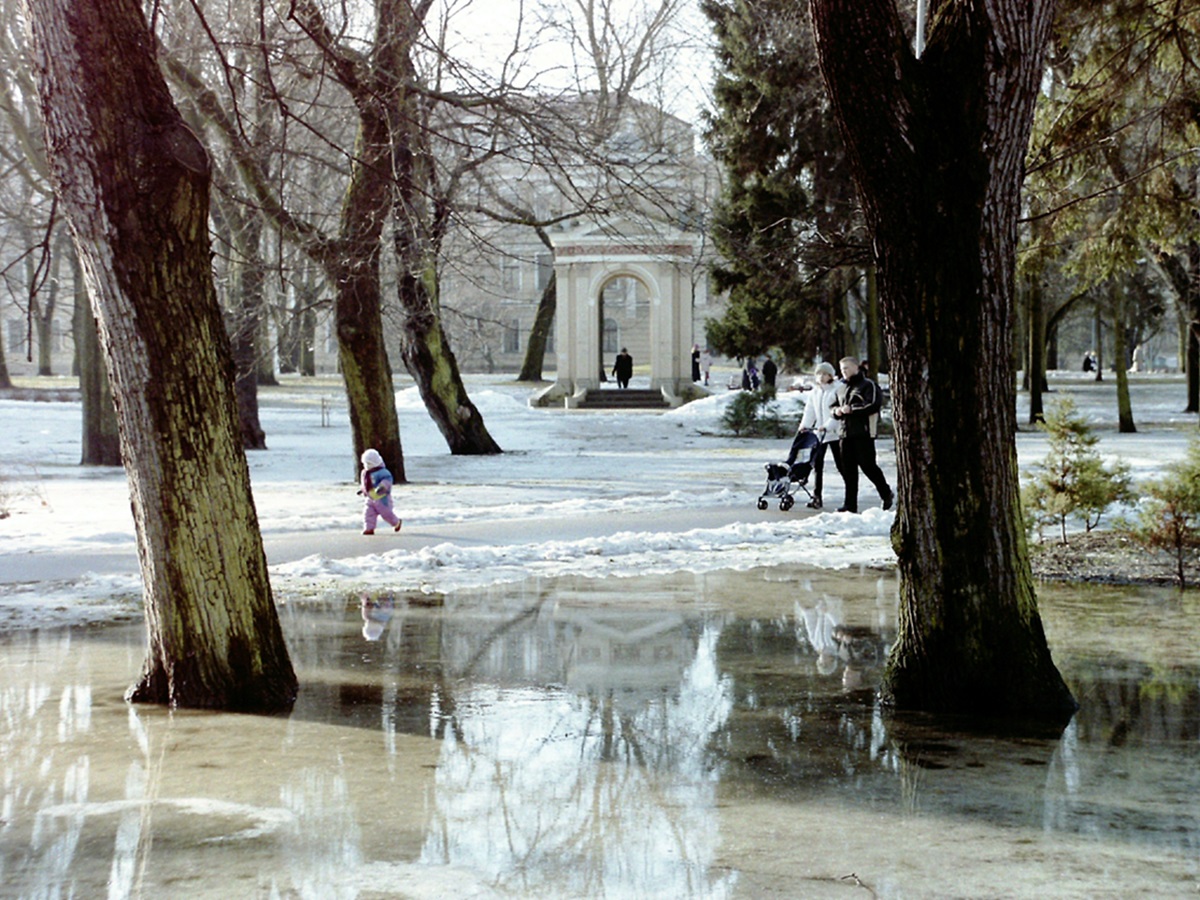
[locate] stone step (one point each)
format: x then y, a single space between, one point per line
630 398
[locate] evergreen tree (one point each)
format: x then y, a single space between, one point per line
1170 519
1072 481
787 206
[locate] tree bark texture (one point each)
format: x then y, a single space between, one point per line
354 270
245 314
134 180
937 145
101 444
350 259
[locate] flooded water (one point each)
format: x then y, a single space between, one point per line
683 737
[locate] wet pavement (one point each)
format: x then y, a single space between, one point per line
682 736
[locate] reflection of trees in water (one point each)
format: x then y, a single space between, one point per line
1129 762
601 786
571 780
40 762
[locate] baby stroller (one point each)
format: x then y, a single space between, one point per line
783 480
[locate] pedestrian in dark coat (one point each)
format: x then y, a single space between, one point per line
857 411
623 368
768 372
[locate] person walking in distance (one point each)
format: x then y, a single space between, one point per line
768 373
623 368
818 418
857 412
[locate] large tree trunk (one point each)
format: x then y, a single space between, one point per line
101 444
133 180
358 305
429 359
937 146
351 259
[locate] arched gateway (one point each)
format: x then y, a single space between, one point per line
586 260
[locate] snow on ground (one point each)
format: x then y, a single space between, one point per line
593 494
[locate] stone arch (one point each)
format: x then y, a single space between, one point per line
585 262
636 333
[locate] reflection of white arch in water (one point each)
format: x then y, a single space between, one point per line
557 793
585 260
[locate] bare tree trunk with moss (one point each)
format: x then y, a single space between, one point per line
539 334
936 147
133 180
420 216
350 259
101 438
245 315
543 322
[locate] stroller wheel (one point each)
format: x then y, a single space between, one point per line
762 503
787 503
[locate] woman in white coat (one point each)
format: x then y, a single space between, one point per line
818 417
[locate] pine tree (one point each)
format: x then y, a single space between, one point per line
787 206
1170 519
1072 481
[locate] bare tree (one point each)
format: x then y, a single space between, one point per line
133 180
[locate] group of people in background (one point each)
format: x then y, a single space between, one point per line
844 414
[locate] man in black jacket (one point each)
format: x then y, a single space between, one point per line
858 412
623 368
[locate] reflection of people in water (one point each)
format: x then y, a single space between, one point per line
376 614
857 649
858 646
820 623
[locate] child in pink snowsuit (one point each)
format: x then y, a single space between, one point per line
376 491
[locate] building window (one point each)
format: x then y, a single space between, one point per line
510 277
512 337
